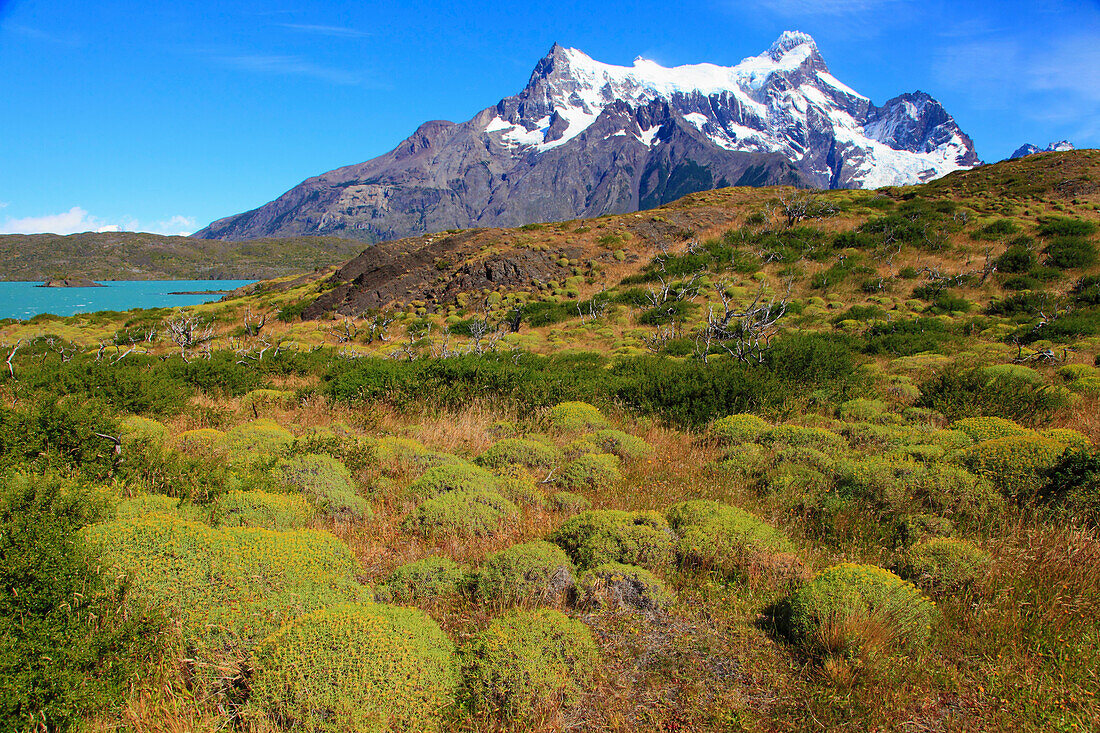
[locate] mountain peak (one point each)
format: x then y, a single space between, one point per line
789 41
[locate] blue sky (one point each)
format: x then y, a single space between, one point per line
166 116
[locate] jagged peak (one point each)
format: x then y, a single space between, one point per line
789 41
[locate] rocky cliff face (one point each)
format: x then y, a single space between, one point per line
586 138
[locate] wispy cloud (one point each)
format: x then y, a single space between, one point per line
334 31
825 7
36 34
77 220
289 66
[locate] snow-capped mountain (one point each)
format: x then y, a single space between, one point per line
1028 149
586 138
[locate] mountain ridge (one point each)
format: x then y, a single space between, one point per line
584 138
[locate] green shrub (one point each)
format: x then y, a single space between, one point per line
71 646
988 428
1065 226
527 665
1073 484
355 667
520 452
819 438
619 586
325 480
1017 259
851 609
576 416
734 429
861 410
727 538
625 446
202 441
135 429
579 447
635 538
263 509
451 477
227 583
906 487
569 502
1070 253
258 440
959 394
529 573
592 471
1086 291
945 564
143 504
462 512
1072 439
744 460
1014 464
517 483
258 398
426 580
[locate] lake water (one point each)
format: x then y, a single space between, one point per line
23 299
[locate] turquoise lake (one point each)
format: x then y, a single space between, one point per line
24 299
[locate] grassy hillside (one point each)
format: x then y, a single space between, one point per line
139 256
759 460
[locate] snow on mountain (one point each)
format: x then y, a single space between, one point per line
1028 149
585 138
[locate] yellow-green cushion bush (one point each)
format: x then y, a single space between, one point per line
1073 372
569 502
526 666
579 447
325 480
450 477
426 580
592 471
355 667
576 416
850 608
517 483
741 428
264 509
143 504
913 487
201 441
228 582
636 538
1073 439
1014 464
618 586
136 429
520 452
713 534
258 440
945 564
258 398
529 573
464 512
743 460
822 439
624 445
988 428
861 410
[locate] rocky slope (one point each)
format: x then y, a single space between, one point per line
586 138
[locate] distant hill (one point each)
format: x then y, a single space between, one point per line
139 256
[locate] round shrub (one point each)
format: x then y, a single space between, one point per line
263 509
917 527
355 667
636 538
746 459
741 428
398 455
615 585
822 439
908 487
532 572
426 580
202 441
594 470
267 398
576 416
1071 439
143 504
624 445
258 439
861 410
527 665
519 452
517 483
450 477
853 609
569 502
1014 464
945 564
135 429
326 481
462 512
988 428
728 538
579 447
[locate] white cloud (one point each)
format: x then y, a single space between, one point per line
3 204
77 220
289 66
325 30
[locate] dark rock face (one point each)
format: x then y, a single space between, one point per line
585 139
